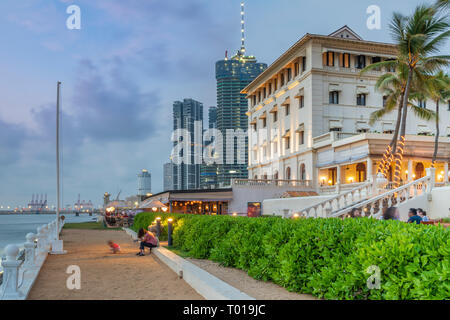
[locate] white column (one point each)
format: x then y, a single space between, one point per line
410 170
29 250
446 172
369 169
338 179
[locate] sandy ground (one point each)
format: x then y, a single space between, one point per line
239 279
106 276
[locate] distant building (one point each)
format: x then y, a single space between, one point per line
310 116
83 205
144 183
185 114
168 176
208 173
232 76
212 117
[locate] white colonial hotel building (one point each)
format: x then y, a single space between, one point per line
309 116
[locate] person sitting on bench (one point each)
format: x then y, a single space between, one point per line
148 239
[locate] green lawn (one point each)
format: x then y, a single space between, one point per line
88 226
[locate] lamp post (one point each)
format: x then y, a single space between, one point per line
158 227
169 232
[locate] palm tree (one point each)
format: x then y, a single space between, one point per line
443 4
392 86
418 37
437 87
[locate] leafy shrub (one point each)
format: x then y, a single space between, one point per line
325 257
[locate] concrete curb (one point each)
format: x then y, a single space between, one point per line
207 285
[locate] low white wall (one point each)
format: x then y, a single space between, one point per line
244 194
277 206
439 207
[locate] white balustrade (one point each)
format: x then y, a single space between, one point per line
11 265
373 207
18 274
338 202
30 251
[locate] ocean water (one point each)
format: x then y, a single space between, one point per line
14 228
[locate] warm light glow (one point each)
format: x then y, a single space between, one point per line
154 209
158 218
234 214
279 94
164 209
295 215
330 182
406 171
170 220
414 175
351 179
293 85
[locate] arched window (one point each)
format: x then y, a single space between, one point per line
255 177
302 172
265 176
288 173
361 172
275 175
420 169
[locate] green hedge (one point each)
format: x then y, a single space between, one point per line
325 257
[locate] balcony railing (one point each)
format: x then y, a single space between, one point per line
269 182
333 136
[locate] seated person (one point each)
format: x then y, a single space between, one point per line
355 213
423 214
391 213
413 217
148 239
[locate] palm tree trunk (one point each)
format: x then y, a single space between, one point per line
401 143
436 139
389 153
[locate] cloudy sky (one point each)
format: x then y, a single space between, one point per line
120 75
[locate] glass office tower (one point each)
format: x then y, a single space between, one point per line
232 76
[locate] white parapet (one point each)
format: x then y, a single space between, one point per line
19 276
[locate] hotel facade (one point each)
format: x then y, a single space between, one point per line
309 116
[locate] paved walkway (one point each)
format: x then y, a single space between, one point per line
106 276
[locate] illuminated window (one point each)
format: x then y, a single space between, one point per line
345 60
328 58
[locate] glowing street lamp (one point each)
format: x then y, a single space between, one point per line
169 232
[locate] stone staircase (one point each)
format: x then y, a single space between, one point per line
371 198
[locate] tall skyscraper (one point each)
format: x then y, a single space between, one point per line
212 117
168 176
144 183
208 173
232 75
185 114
